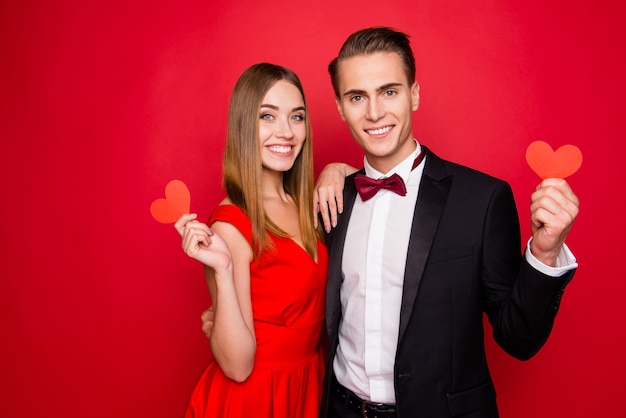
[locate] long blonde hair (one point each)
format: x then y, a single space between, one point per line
243 165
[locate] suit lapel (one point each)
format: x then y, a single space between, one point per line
433 192
335 241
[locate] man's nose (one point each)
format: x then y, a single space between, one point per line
375 109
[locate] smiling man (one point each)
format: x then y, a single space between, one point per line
413 266
376 101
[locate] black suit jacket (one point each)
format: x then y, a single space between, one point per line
463 259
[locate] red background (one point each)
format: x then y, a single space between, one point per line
102 103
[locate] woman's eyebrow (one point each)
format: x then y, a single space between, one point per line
274 107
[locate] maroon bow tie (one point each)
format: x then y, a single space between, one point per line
368 187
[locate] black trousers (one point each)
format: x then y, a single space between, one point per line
345 404
338 408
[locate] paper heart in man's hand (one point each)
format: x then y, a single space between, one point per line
547 163
176 203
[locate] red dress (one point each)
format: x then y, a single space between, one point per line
288 291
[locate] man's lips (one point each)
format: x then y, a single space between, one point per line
379 131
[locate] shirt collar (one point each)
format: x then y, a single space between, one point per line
403 169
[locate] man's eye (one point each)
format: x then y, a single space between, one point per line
356 98
390 93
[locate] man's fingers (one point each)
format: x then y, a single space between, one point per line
207 321
554 198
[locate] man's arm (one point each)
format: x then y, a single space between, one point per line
522 315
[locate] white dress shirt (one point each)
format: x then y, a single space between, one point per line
373 268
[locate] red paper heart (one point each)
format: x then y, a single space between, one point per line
547 163
175 204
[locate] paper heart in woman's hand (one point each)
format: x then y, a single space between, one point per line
547 163
176 203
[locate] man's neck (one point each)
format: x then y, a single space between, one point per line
385 164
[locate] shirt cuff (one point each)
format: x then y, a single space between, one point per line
565 262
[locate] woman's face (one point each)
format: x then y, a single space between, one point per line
282 126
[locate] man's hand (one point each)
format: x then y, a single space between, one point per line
553 209
328 195
207 318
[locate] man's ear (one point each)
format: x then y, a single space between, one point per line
339 108
415 96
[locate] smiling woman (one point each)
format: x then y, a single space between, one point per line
267 329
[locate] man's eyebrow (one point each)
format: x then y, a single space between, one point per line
388 86
354 92
358 92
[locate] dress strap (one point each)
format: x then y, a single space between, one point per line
235 216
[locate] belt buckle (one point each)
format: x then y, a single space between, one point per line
365 404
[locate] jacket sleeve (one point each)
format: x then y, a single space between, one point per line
521 302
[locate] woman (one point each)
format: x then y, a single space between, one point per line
264 262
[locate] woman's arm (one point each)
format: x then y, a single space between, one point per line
328 196
226 256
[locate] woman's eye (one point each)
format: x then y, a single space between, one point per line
267 116
299 118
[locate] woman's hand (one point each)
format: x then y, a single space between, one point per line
201 243
328 195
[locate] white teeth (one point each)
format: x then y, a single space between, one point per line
280 149
379 131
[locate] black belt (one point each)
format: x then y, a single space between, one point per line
363 408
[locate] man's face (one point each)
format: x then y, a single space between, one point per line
377 103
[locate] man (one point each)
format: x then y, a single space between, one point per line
411 274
